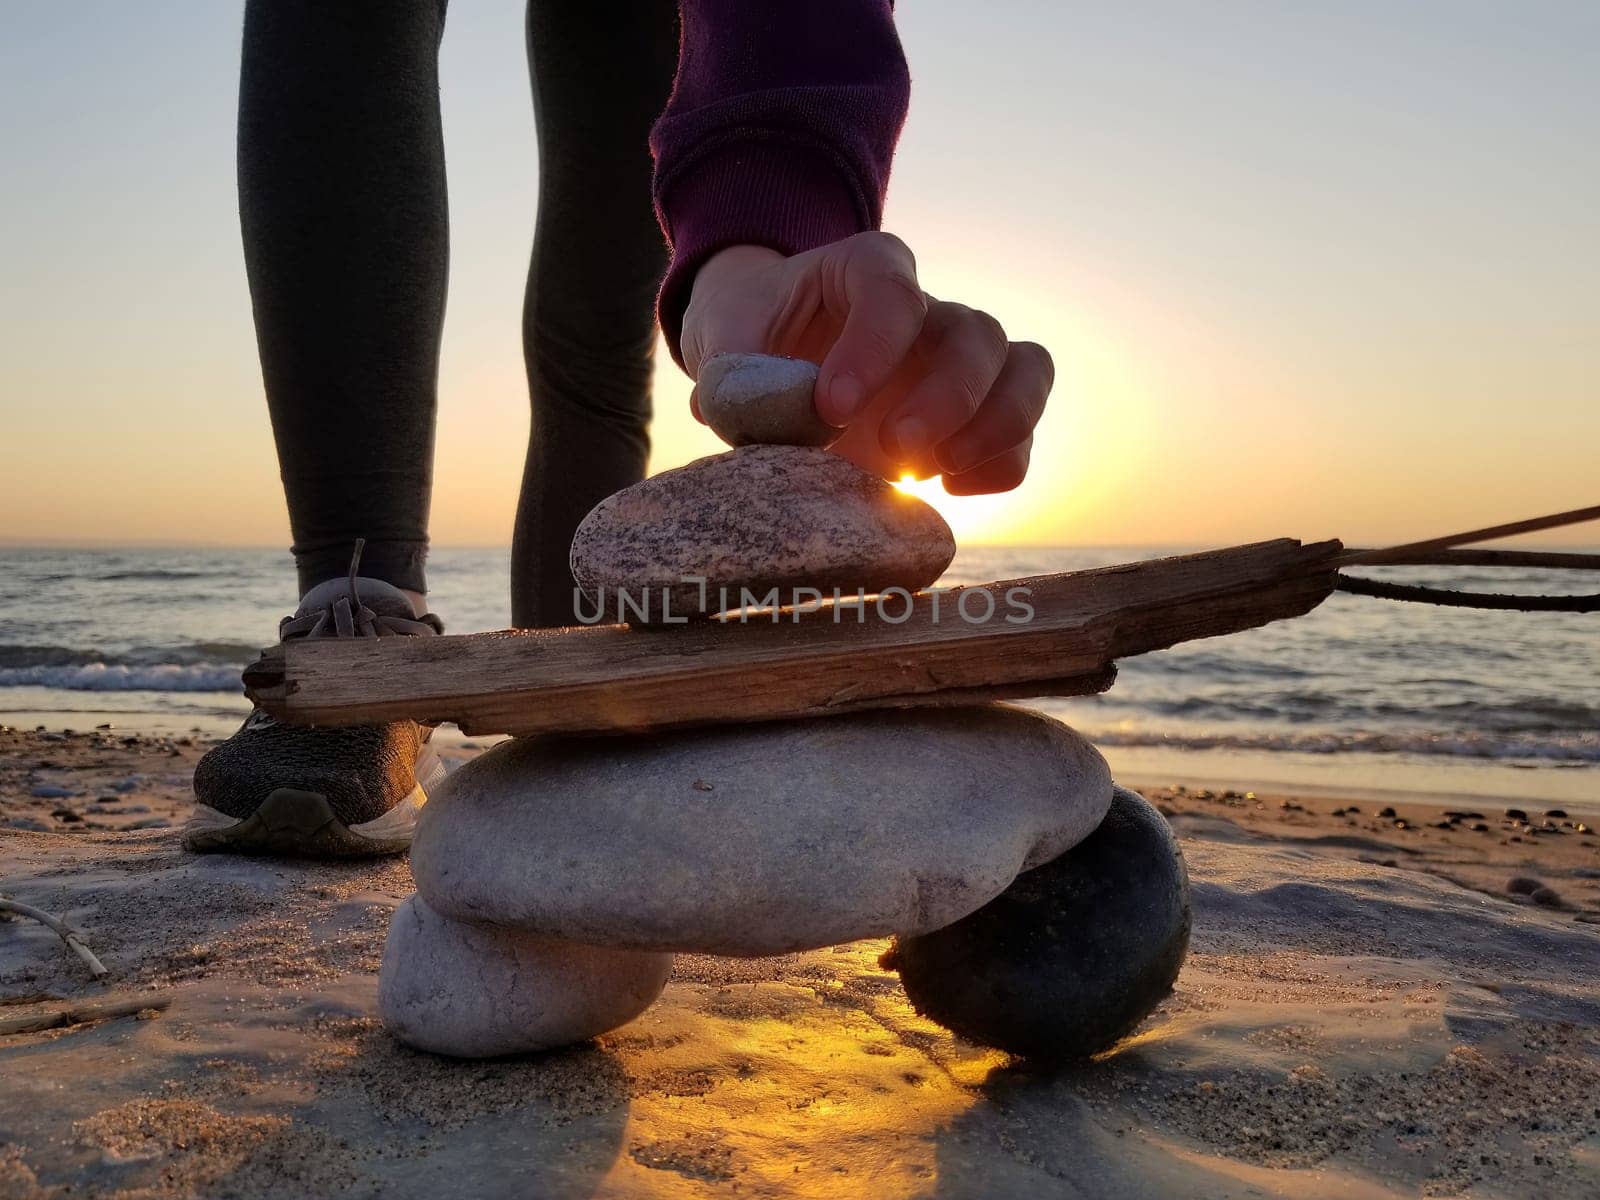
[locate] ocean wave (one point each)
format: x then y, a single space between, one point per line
193 654
1563 748
1213 665
1406 703
47 656
119 677
154 575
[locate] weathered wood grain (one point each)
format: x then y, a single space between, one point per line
614 678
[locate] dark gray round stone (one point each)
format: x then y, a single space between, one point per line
1073 955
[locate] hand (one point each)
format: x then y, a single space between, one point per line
920 385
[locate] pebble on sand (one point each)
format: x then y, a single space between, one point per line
1548 897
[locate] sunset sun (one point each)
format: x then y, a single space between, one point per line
973 519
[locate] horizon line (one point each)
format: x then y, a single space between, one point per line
102 545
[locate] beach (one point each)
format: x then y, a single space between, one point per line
1375 1004
1213 384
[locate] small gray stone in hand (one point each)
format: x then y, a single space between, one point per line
762 399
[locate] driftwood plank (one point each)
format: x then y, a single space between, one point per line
613 678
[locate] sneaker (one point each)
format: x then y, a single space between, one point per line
321 792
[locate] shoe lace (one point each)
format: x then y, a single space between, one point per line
350 618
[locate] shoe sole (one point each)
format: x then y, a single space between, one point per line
302 825
297 823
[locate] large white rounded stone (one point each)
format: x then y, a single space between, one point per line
475 991
759 839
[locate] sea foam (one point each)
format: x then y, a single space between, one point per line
114 677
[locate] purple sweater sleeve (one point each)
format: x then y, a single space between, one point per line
779 131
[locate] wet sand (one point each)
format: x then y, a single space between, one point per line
1367 1010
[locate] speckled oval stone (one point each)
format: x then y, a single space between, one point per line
757 518
760 839
762 399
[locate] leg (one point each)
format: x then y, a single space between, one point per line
342 203
599 82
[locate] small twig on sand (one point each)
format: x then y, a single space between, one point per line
83 1014
66 932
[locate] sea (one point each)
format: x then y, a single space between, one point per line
1360 697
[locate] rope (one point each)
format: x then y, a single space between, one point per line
1441 551
1562 559
1453 599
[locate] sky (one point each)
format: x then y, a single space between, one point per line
1306 269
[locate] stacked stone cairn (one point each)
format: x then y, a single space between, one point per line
1035 907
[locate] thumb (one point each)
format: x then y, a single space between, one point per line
883 308
729 305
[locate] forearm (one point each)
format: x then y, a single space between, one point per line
779 132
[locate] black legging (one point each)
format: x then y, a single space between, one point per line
342 203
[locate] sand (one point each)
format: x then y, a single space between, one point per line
1366 1012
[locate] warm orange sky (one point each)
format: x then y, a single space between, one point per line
1303 273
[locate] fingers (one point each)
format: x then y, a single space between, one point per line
917 384
962 355
1002 423
997 475
870 281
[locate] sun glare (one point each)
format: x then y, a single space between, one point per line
973 519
